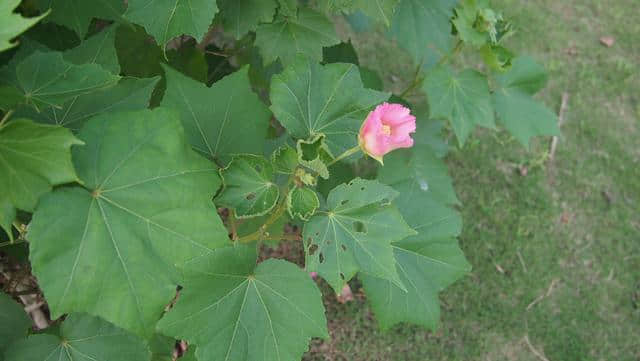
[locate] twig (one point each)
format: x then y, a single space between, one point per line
524 266
538 354
554 140
552 286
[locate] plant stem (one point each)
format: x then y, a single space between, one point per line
344 155
232 223
4 244
414 83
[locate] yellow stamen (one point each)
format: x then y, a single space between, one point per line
386 129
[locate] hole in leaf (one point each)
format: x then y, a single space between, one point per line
342 275
359 227
258 168
344 248
385 201
313 248
361 188
321 257
344 202
250 196
328 241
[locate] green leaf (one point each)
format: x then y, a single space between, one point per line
355 234
98 49
270 236
138 54
288 7
284 159
381 10
522 115
288 36
14 322
33 158
13 24
166 19
249 188
340 53
220 121
82 337
45 79
242 16
497 57
422 27
302 203
128 94
310 99
233 310
115 247
462 98
314 154
162 348
428 261
77 14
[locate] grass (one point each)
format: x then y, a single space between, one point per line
573 224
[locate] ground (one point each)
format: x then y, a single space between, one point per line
555 246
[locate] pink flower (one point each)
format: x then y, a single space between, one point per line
313 275
386 128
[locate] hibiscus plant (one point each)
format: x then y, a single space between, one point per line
152 150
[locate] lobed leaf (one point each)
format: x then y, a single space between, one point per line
310 100
232 310
355 234
242 16
14 322
249 188
225 119
166 19
98 49
13 24
115 247
78 14
33 158
82 337
462 98
288 36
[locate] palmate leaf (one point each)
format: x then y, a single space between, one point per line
82 337
98 49
355 234
242 16
77 14
14 322
128 94
115 247
288 36
462 98
522 115
226 119
422 27
13 24
46 79
288 7
232 310
166 19
428 261
249 188
381 10
310 99
33 158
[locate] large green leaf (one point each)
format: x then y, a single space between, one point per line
82 337
381 10
114 247
522 115
46 79
13 24
33 158
463 98
14 322
166 19
128 94
422 27
233 310
310 99
249 188
226 119
355 234
288 36
242 16
77 14
98 49
428 261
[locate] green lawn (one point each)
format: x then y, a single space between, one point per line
572 225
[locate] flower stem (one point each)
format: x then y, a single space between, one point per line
5 118
344 155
